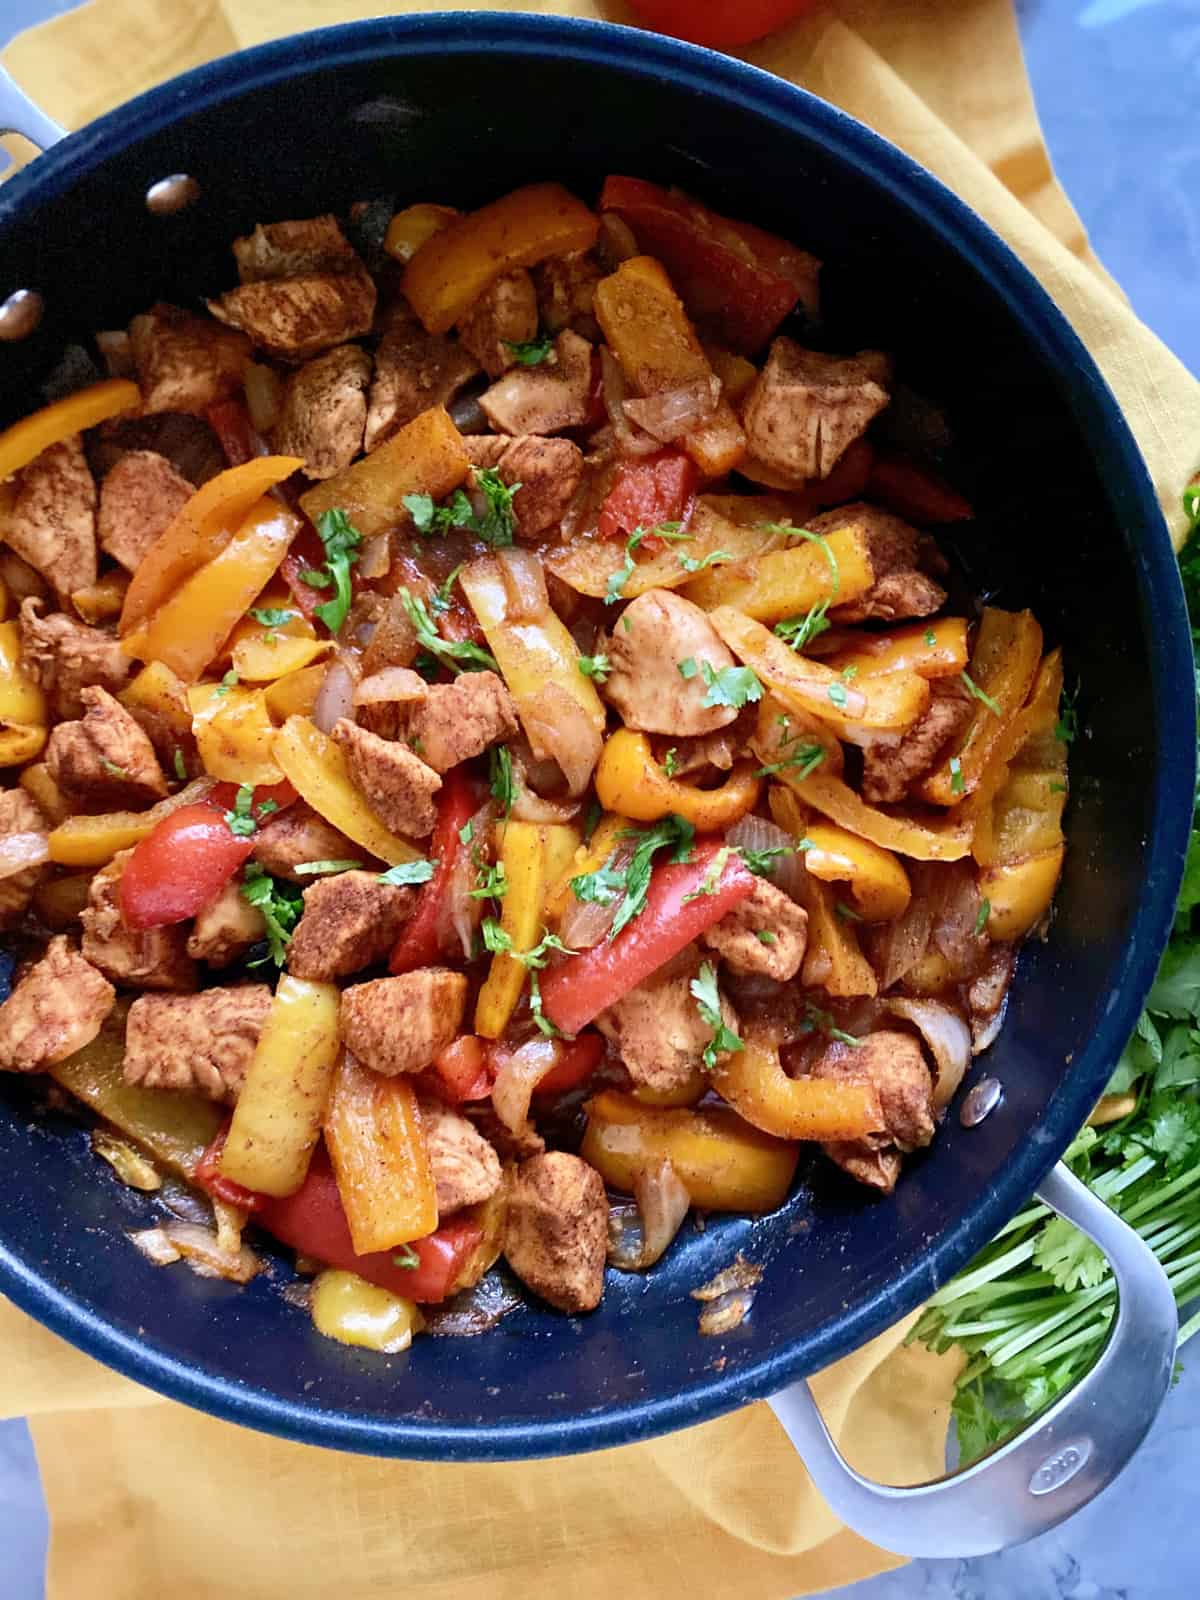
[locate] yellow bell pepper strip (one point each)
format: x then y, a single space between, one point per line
278 1116
162 698
1024 792
427 456
784 736
629 780
316 768
380 1159
489 1216
21 742
935 649
102 600
347 1308
295 694
560 711
83 841
261 652
688 1091
789 582
1008 648
456 263
737 375
234 733
833 960
589 857
50 798
753 1081
532 855
191 626
1018 893
878 884
924 838
409 229
21 698
723 1162
652 337
200 532
25 440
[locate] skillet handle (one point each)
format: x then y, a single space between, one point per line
18 114
1065 1458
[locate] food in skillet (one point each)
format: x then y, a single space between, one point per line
487 730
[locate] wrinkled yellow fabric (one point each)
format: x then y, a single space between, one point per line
149 1498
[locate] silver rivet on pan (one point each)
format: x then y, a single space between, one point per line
172 194
980 1102
20 314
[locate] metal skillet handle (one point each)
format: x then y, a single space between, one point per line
18 114
1063 1460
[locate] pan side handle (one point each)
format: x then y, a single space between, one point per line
18 114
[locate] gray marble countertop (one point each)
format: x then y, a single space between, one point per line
1118 88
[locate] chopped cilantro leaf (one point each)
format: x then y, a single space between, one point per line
228 682
241 820
495 525
406 1257
491 882
600 887
981 917
460 655
708 1002
500 777
342 542
714 558
672 833
113 770
467 832
324 869
687 668
799 631
180 765
408 872
281 905
980 695
670 764
618 579
957 781
597 667
804 758
837 695
765 936
272 616
759 861
930 638
440 600
732 686
530 352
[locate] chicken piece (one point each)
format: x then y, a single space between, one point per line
19 813
298 835
657 1026
414 370
350 921
139 500
656 633
894 1064
292 249
324 411
458 720
116 352
466 1169
805 409
505 314
52 524
878 1169
509 1144
739 936
548 471
106 760
889 770
226 927
199 1041
554 395
56 1007
155 958
65 657
901 560
399 1024
556 1234
185 362
566 294
399 787
719 750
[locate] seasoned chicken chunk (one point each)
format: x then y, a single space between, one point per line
657 1026
509 1144
291 249
554 395
153 958
658 633
889 770
185 362
466 1169
399 787
53 520
505 314
226 927
65 657
399 1024
894 1064
139 500
298 835
556 1235
199 1041
106 759
324 411
19 813
901 560
805 409
548 471
566 293
767 934
56 1007
414 370
351 920
458 720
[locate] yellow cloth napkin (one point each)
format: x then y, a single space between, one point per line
147 1497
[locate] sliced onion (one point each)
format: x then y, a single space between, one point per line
264 396
987 998
376 557
786 872
335 697
726 1313
458 914
200 1248
584 922
896 947
530 807
617 242
983 1032
948 1038
955 916
524 585
519 1075
673 413
663 1202
631 440
19 851
391 686
475 1310
155 1246
740 1274
558 727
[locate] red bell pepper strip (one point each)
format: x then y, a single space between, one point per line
417 945
646 493
307 554
915 492
209 1177
678 909
577 1060
461 1071
737 279
275 796
238 437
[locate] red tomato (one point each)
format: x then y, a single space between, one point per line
719 23
461 1071
656 489
182 864
209 1177
577 1060
417 945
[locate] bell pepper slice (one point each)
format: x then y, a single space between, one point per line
21 698
417 945
915 493
630 781
1018 893
648 492
102 600
377 1148
1019 804
930 649
317 769
878 884
577 1060
182 864
925 838
678 909
53 802
461 1071
92 841
234 733
409 229
295 694
345 1307
25 440
753 1081
426 456
780 583
532 858
589 857
260 652
456 263
239 439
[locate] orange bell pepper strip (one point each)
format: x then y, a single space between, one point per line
380 1158
788 582
878 884
426 456
1018 806
533 856
923 838
456 263
930 649
753 1081
723 1162
205 525
25 440
1018 893
1007 651
629 780
316 769
589 857
784 736
652 338
409 229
